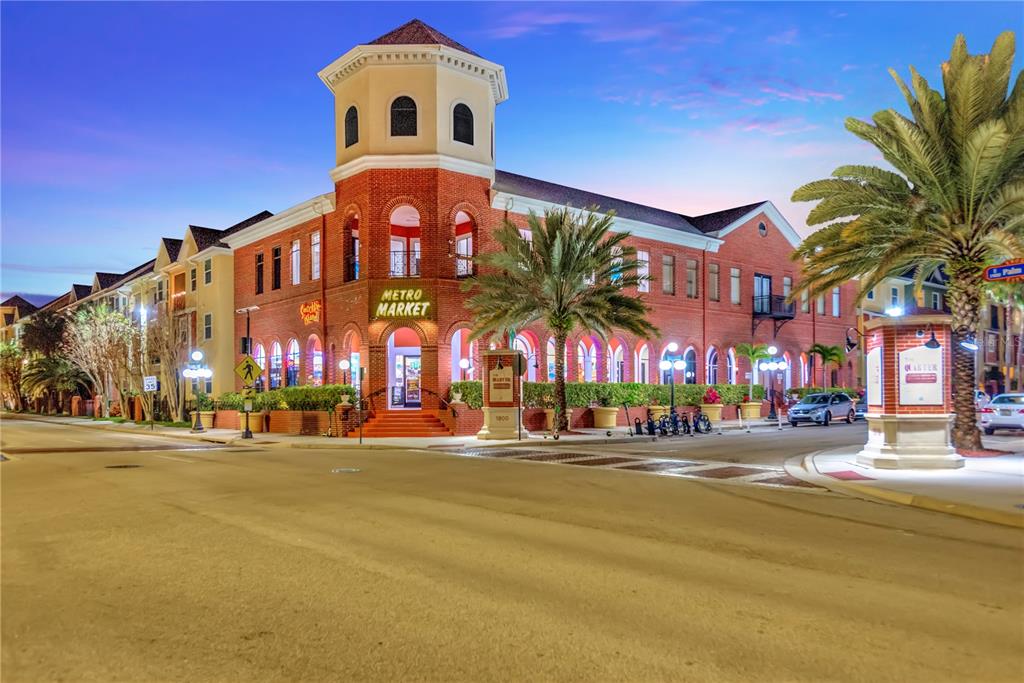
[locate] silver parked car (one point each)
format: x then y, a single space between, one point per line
822 409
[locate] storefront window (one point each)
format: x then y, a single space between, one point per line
259 355
292 371
275 366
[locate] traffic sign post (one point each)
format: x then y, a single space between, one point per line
248 370
1010 271
151 384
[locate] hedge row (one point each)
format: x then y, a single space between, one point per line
585 394
324 397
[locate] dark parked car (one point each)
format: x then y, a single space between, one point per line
822 409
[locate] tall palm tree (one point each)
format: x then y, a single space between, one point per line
44 332
753 353
828 354
571 275
955 200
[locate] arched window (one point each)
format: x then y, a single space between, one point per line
462 124
643 365
617 363
711 372
403 117
315 356
730 365
292 366
522 344
259 354
275 366
690 371
351 127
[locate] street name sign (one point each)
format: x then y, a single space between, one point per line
1006 272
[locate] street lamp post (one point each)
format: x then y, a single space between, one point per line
773 366
463 366
344 364
196 371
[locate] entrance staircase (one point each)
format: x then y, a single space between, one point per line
402 423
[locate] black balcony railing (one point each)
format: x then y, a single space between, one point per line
405 264
463 266
773 306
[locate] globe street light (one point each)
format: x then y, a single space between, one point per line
344 364
463 365
195 371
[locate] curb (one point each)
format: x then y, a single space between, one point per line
801 467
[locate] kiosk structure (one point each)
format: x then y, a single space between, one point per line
503 385
910 409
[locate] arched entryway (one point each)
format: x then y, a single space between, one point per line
314 361
405 369
463 356
616 361
526 344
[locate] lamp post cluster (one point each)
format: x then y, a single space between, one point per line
671 366
773 365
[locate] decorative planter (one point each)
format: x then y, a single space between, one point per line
657 411
456 397
712 410
346 401
207 416
605 417
255 421
549 418
750 410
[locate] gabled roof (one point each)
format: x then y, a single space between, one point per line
57 303
137 271
105 280
415 32
21 305
206 237
524 186
81 291
172 247
713 222
251 220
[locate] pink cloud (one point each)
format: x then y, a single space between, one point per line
787 37
800 94
523 23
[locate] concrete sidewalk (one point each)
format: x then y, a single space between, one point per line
234 437
990 489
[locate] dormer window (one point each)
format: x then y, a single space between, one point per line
352 127
403 117
462 124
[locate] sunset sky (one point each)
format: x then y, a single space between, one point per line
125 122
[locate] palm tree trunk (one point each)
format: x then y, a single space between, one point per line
560 401
965 300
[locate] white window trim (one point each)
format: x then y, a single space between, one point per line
643 269
314 255
295 261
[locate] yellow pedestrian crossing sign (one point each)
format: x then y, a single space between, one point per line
249 370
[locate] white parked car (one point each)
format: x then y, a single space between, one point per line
1005 411
980 399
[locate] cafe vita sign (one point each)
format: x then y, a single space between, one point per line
402 303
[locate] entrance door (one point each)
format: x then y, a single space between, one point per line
406 391
762 293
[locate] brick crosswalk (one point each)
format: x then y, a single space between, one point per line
772 476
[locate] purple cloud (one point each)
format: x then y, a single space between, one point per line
799 93
523 23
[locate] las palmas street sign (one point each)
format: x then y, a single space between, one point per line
1006 272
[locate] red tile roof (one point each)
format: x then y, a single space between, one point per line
416 32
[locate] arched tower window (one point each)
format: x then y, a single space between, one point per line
352 126
403 117
462 124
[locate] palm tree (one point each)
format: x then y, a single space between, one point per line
572 274
44 332
753 353
53 375
956 200
828 354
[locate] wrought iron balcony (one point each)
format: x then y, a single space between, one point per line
463 266
405 264
772 307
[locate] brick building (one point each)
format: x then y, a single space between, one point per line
371 271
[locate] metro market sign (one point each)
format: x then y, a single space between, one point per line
402 303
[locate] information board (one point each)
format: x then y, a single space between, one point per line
921 375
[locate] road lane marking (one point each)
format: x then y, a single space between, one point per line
171 457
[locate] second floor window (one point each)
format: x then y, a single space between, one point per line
259 273
208 271
208 326
314 256
159 290
787 286
936 301
275 268
713 290
805 302
821 304
403 117
296 256
894 296
691 279
351 127
643 270
462 124
835 302
192 279
734 285
668 274
464 253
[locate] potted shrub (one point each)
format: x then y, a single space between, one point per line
711 405
205 406
606 414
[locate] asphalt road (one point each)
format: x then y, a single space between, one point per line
260 565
